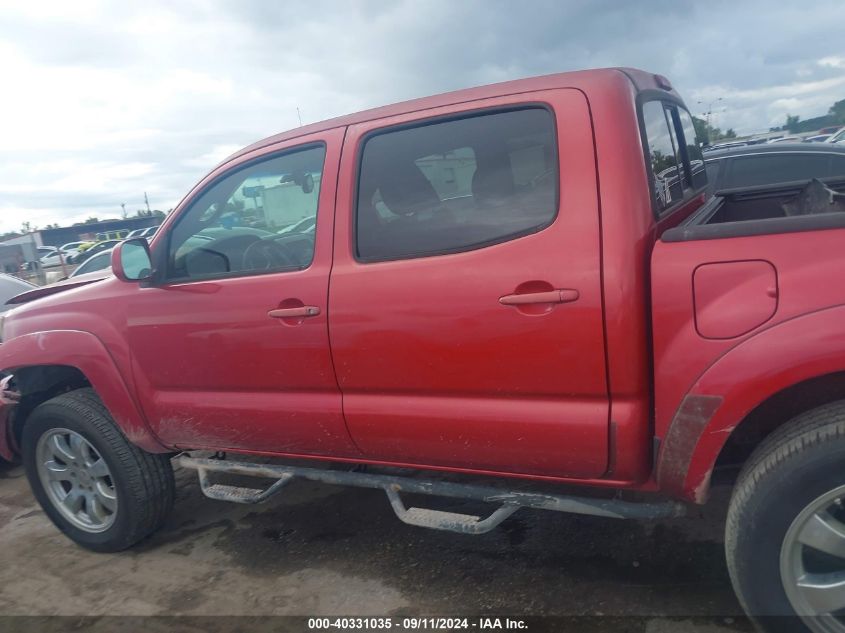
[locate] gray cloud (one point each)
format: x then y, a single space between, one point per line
112 100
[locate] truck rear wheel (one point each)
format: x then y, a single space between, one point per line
785 533
101 491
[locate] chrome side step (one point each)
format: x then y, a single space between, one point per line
239 494
451 521
508 501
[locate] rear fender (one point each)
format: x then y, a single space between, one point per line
805 347
85 352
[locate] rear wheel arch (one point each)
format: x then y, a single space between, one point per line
725 444
773 413
758 386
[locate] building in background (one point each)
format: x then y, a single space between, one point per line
81 232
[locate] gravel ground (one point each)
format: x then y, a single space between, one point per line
324 550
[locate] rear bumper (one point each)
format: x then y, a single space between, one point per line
8 401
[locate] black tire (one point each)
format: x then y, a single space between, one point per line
143 482
793 467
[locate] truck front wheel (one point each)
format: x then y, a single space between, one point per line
101 491
785 533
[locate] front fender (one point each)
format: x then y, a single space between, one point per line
85 352
791 352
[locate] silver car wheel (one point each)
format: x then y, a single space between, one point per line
77 480
812 563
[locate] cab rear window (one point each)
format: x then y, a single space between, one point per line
663 156
674 154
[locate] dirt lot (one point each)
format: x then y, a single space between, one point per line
323 550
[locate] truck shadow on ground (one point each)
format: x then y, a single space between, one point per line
535 563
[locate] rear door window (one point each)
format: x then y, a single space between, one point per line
452 186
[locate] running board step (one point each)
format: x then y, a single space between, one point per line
239 494
451 521
507 501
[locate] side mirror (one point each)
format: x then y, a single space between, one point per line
130 260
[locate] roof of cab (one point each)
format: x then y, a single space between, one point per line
581 79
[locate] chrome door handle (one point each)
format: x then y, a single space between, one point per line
287 313
565 295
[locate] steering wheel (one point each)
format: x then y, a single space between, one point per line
265 255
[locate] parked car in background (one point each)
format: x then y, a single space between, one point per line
833 129
98 261
839 137
768 164
55 258
11 286
713 148
112 235
72 246
818 138
99 247
148 231
786 139
84 246
303 226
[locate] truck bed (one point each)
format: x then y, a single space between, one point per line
753 211
736 269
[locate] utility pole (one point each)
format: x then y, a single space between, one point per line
147 202
39 271
709 109
299 116
123 207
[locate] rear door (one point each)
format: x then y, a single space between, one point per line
466 314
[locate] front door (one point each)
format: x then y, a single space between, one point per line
466 312
230 343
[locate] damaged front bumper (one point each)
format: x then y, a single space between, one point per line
9 399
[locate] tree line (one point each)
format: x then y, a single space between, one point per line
835 116
708 134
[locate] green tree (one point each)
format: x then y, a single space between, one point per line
702 130
792 122
707 134
837 111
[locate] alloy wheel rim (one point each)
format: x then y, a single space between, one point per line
812 563
77 480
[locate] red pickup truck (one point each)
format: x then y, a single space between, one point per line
506 291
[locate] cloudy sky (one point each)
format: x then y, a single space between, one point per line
102 101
